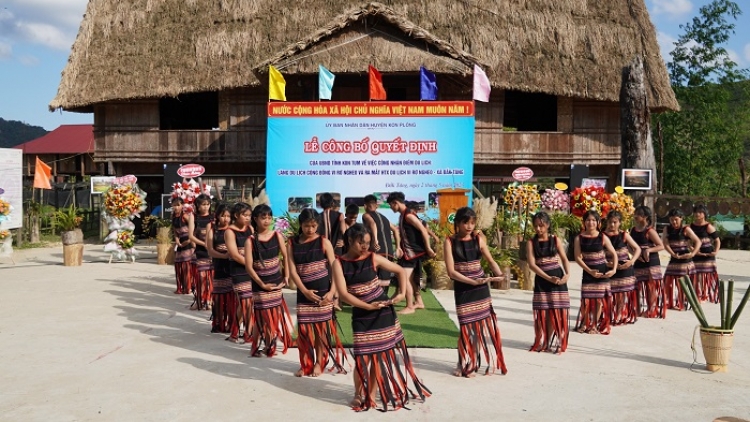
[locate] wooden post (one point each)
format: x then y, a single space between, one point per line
637 148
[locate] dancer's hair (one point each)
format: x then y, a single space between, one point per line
544 218
326 200
646 212
354 233
307 215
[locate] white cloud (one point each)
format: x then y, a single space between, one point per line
51 23
733 56
666 44
747 52
5 50
28 60
672 8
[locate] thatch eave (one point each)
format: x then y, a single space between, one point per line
130 49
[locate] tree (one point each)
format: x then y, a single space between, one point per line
704 141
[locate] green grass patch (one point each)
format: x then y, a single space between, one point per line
430 327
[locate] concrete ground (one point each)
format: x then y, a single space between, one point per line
110 342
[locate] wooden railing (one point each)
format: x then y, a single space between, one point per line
184 145
523 148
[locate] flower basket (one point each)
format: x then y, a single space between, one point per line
717 347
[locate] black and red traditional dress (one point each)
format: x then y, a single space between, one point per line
648 278
622 284
315 321
551 302
271 315
412 244
329 227
204 270
378 339
224 308
706 279
595 292
479 334
183 256
242 285
677 268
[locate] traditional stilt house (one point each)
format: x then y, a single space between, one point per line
178 81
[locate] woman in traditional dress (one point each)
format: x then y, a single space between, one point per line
591 249
198 223
622 284
224 303
706 280
236 238
479 333
310 259
682 244
272 321
648 266
551 303
183 248
377 332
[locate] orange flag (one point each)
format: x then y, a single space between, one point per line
377 92
42 174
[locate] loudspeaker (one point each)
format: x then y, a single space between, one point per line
171 177
578 172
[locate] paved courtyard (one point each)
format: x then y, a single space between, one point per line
110 342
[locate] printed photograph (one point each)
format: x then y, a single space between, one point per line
297 204
637 179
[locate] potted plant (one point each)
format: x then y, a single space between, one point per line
68 221
716 341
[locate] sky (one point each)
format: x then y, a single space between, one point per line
36 37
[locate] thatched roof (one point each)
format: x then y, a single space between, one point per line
129 49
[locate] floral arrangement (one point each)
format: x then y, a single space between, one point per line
126 239
188 191
525 195
124 201
621 202
5 209
589 198
283 226
4 234
555 200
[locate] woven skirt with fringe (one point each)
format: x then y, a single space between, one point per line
378 340
479 334
551 306
183 277
242 286
272 323
624 297
706 281
224 305
673 294
651 284
595 294
317 324
203 276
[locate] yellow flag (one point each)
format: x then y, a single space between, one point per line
276 85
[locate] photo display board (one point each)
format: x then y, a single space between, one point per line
11 184
352 149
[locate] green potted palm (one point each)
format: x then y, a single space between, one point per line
68 222
716 340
